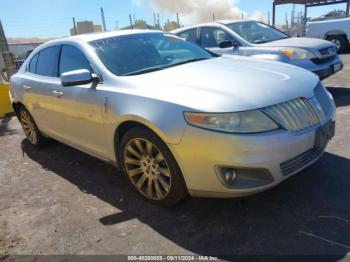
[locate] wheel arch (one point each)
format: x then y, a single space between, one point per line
336 33
131 122
16 106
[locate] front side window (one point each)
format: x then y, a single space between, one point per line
47 62
32 64
212 37
189 35
72 59
146 52
256 32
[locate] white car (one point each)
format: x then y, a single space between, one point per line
336 31
256 39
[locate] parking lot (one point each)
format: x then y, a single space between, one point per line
59 201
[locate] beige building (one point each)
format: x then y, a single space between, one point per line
85 27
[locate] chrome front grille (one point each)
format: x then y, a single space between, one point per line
295 115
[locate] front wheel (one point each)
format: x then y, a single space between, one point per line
339 42
151 168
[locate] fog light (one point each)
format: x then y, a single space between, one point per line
229 175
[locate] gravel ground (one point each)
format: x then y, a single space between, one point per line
59 201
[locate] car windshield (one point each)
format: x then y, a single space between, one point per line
146 52
256 33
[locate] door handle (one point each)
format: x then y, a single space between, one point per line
58 93
26 88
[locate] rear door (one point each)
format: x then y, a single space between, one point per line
39 80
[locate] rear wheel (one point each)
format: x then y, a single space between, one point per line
151 168
339 41
30 128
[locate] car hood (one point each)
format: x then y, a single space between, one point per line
301 42
225 84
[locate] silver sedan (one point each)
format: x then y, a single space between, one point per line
175 118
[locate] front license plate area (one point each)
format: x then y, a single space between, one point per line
324 134
337 67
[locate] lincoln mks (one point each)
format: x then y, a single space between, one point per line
175 118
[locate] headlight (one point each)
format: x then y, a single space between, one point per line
297 53
243 122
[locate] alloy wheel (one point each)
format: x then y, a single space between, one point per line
337 43
147 169
28 127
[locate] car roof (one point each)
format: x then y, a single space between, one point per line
214 23
101 35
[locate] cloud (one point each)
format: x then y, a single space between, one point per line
197 11
259 16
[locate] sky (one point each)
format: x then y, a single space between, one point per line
53 18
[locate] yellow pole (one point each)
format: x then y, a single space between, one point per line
5 104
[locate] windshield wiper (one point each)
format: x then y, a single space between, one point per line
158 68
143 71
189 61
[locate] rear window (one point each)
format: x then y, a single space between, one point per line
32 64
47 62
189 35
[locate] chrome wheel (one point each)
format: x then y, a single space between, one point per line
337 43
28 127
147 169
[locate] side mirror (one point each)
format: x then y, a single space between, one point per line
229 43
77 77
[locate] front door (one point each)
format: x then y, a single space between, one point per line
80 107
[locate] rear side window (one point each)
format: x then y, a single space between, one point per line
32 64
47 62
72 59
189 35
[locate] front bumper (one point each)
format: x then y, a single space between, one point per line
201 152
323 70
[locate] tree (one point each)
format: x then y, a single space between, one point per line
140 24
170 25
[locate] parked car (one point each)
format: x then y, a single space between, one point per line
256 39
176 118
335 30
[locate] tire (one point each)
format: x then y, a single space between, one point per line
339 41
30 129
150 167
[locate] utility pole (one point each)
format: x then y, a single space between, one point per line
268 18
242 16
155 19
103 19
131 25
75 27
158 21
178 20
213 17
134 19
